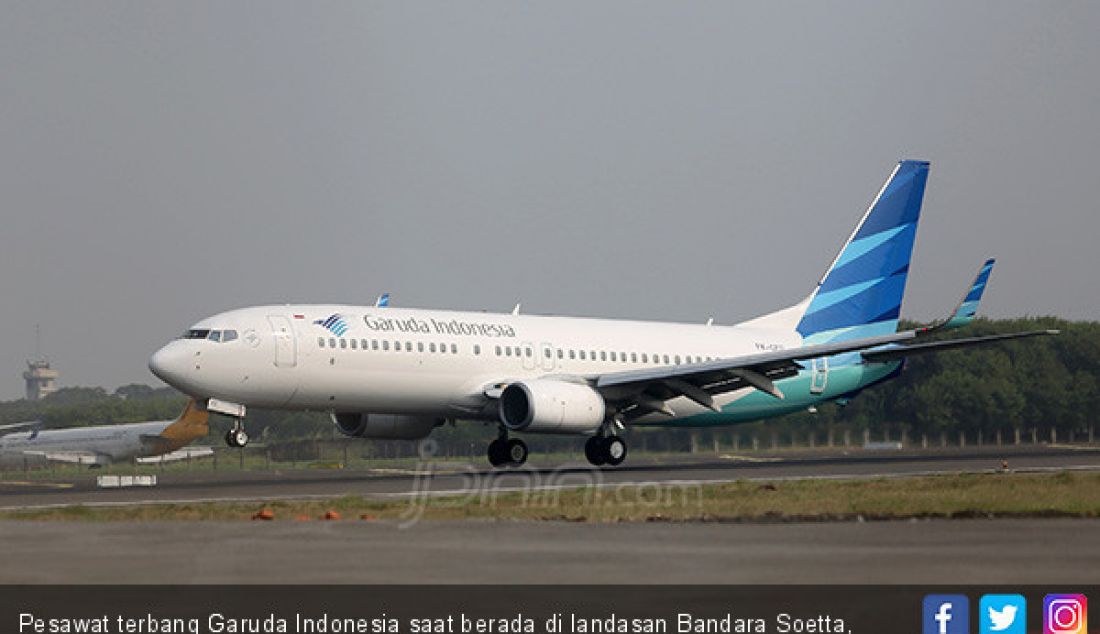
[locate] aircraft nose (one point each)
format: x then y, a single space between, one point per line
169 364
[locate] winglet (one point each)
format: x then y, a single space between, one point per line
968 306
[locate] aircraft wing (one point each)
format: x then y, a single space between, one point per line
649 388
10 427
639 392
185 453
71 457
900 352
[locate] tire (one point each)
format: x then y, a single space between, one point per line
497 453
516 452
593 450
240 437
614 450
230 440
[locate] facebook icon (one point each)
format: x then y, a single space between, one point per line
946 614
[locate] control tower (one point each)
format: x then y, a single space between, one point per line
41 380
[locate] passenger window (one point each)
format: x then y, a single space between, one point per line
508 352
385 345
373 344
331 342
613 357
677 359
408 346
547 353
561 353
572 354
343 343
582 356
517 351
320 342
454 348
603 355
666 359
363 344
477 349
354 344
420 346
498 351
431 347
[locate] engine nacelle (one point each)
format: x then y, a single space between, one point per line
547 406
385 426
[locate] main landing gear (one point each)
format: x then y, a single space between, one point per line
236 436
505 451
601 450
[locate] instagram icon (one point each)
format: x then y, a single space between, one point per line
1065 614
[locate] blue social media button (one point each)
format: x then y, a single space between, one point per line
1002 614
946 614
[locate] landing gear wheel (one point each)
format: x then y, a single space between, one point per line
230 439
516 452
498 452
614 450
240 437
593 450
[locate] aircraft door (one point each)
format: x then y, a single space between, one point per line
819 375
529 360
546 356
286 350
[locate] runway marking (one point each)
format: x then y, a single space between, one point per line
44 485
543 487
738 458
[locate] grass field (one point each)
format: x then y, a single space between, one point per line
1063 494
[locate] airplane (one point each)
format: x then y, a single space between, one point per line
398 373
100 445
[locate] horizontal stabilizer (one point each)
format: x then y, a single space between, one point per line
900 352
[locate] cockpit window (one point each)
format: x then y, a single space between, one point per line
217 336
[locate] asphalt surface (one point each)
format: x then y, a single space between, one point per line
474 479
927 552
917 552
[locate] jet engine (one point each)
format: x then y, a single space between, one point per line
548 406
385 426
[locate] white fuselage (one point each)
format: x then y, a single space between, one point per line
425 362
112 443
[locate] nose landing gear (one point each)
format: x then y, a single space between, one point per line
237 436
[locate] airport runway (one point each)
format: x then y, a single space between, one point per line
934 552
475 479
926 552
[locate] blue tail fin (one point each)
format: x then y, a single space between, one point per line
860 295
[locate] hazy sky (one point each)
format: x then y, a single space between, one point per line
162 161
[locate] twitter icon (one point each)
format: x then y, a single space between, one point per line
1003 614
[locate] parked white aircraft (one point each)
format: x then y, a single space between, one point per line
103 444
399 373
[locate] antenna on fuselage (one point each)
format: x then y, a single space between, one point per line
382 301
515 311
710 321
